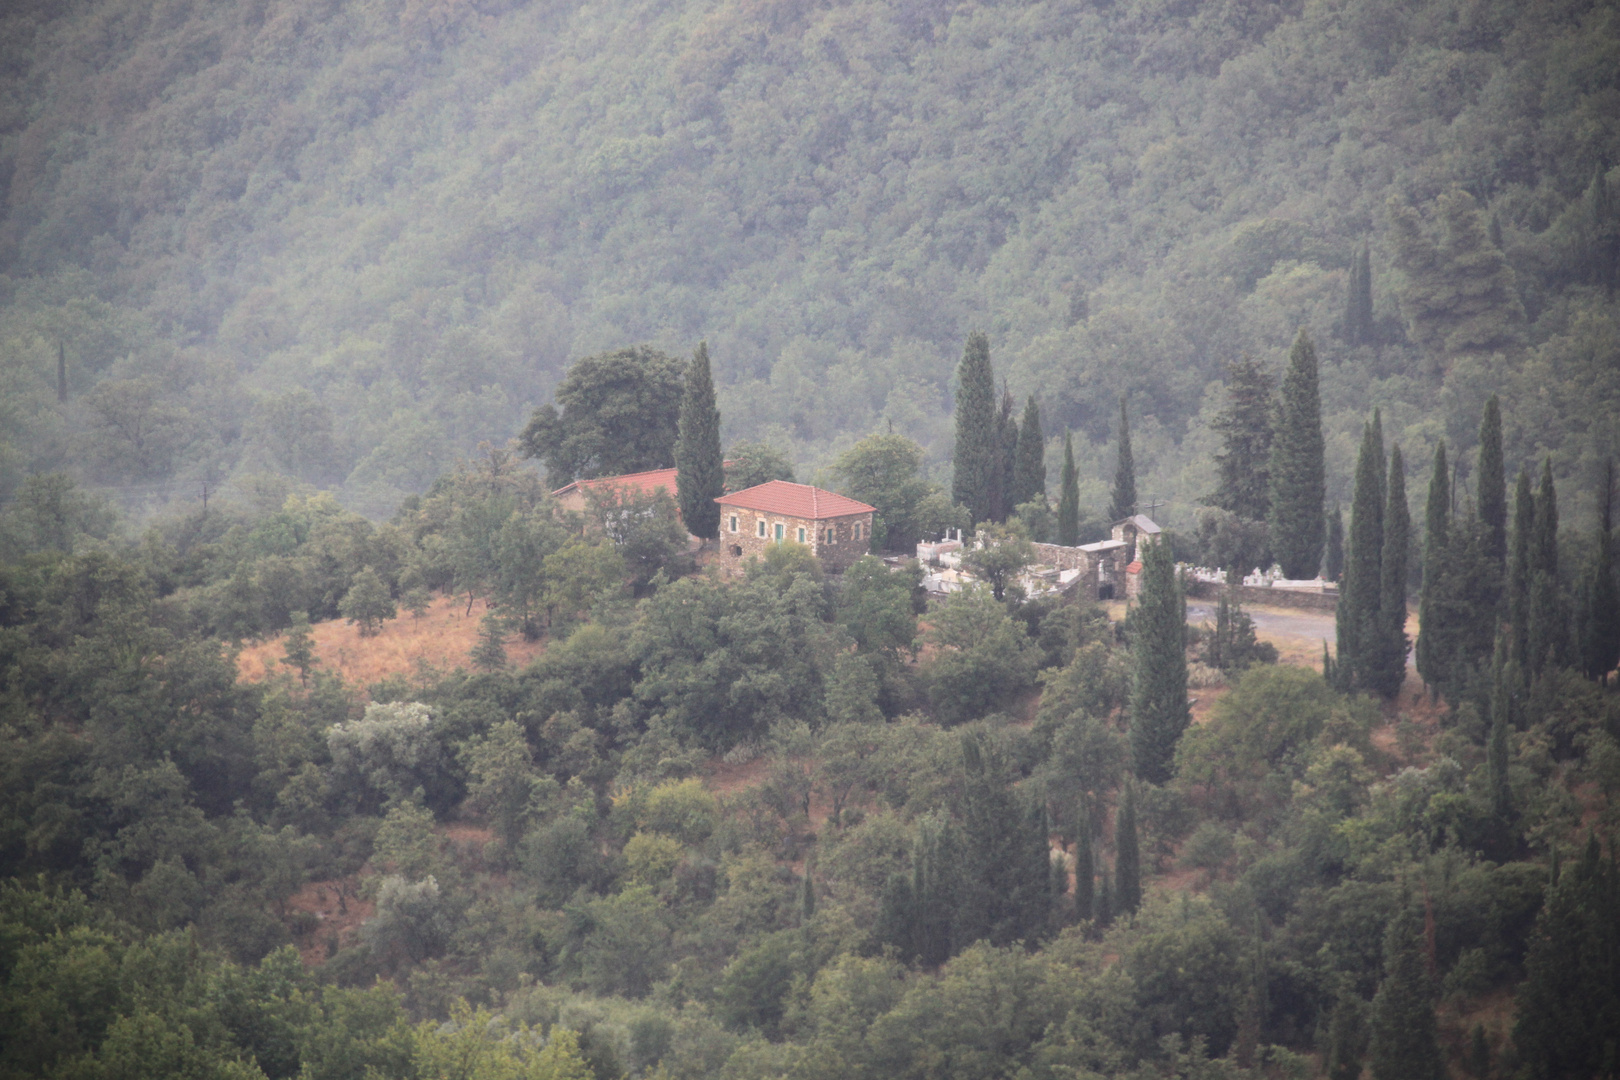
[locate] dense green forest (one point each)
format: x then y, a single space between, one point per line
295 295
346 243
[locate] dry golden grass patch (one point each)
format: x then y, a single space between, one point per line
442 638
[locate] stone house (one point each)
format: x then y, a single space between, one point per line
836 528
572 497
1133 530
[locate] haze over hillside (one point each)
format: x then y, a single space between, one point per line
348 242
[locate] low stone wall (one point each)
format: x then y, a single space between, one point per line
1261 596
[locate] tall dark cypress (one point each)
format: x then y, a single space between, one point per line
1405 1042
1386 664
1491 497
1159 689
1002 498
700 476
1029 476
1506 691
1127 854
1547 616
1600 615
1069 497
1519 567
1123 502
1358 304
1333 560
1298 479
1085 867
1243 463
975 459
1431 652
1362 589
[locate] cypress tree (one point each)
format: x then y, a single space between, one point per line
896 916
1127 854
1506 690
1600 621
1069 497
1002 476
1518 568
1405 1045
1545 637
975 458
700 476
1123 502
1491 496
1105 900
1567 1004
1431 652
1029 479
1298 480
1358 303
1347 1038
1333 563
1386 669
1085 867
1159 690
1357 615
1243 464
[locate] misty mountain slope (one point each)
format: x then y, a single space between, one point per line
346 242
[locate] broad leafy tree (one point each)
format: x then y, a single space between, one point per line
615 413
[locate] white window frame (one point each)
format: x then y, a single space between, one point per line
760 531
733 522
780 532
857 530
801 534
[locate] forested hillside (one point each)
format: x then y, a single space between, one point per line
347 242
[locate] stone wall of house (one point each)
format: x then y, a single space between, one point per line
739 545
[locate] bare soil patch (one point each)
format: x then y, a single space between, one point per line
442 639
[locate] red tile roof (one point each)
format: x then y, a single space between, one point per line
794 500
645 482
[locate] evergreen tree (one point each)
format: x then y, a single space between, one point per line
1386 662
367 604
896 911
1347 1038
1029 477
1519 568
1358 304
1002 477
1568 1008
1431 652
490 652
975 458
299 647
1600 600
1123 502
1333 562
1243 463
1159 690
1085 867
700 476
807 897
1298 480
1405 1045
1491 485
1545 636
1069 497
1127 854
1105 900
1362 589
1507 688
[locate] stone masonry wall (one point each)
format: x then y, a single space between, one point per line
736 548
